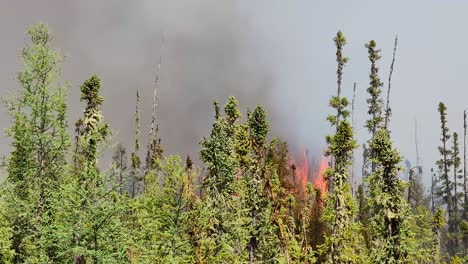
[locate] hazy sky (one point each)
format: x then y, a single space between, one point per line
273 52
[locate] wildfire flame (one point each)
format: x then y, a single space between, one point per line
319 181
305 174
302 171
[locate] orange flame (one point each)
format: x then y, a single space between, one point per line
319 181
305 174
302 171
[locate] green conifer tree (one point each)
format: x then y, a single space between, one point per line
280 192
389 207
375 100
88 228
341 245
225 239
119 167
338 102
6 233
456 163
263 244
163 213
135 158
437 225
445 191
39 140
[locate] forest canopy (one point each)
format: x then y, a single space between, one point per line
246 201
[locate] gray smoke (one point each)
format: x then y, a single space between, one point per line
271 52
212 49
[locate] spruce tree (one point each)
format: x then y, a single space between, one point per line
224 239
456 162
263 245
363 216
135 158
88 227
6 233
154 150
280 191
338 102
437 225
374 101
119 167
445 191
419 239
163 213
307 231
342 245
39 141
389 208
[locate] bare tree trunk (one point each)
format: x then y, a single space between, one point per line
465 186
432 191
353 124
387 107
465 201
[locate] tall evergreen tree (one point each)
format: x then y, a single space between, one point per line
338 102
389 208
437 225
39 140
6 233
341 245
445 190
87 228
224 240
135 158
363 216
119 167
263 245
456 162
163 213
280 191
374 101
417 193
154 150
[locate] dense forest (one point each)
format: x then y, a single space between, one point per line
247 200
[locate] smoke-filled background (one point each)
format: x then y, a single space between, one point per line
271 52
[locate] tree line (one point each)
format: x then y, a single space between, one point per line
242 205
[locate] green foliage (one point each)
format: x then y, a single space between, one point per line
363 216
243 206
337 101
232 111
283 203
438 222
445 191
163 216
6 234
258 126
39 140
135 158
87 226
389 208
263 245
224 238
419 238
374 101
343 244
